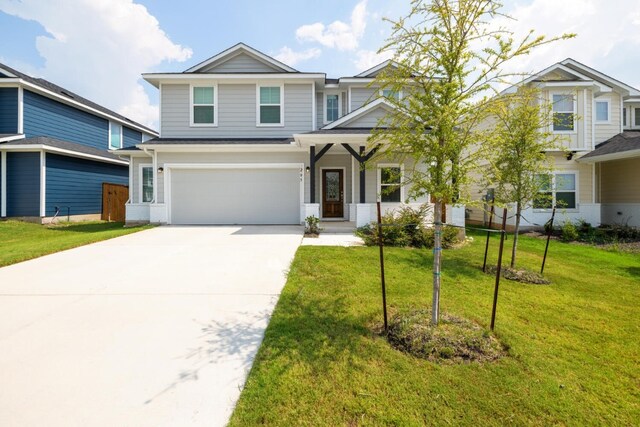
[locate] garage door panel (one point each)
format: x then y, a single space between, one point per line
235 196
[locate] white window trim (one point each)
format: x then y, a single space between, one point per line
141 167
608 102
381 93
270 84
324 105
632 110
575 112
214 85
553 191
380 166
111 147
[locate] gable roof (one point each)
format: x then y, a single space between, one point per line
233 51
620 146
597 75
360 112
66 96
373 71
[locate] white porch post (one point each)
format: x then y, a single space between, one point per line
3 183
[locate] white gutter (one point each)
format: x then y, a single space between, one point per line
11 138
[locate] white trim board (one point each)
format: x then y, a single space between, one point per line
3 183
141 167
54 150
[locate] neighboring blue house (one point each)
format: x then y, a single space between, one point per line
54 149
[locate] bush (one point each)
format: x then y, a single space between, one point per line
406 227
313 225
568 232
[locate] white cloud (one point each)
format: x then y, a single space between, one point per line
608 34
291 57
99 48
366 59
338 34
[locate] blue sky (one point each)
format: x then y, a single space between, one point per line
99 48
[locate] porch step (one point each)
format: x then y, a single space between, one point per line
337 227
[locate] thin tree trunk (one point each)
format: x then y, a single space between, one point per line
437 254
515 235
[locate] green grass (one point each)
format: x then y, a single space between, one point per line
573 345
20 241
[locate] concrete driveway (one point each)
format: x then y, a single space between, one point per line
157 328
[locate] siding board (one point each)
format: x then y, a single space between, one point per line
8 110
131 137
241 63
236 113
46 117
23 184
77 183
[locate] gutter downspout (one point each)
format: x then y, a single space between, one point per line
155 172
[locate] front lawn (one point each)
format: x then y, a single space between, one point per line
573 345
20 241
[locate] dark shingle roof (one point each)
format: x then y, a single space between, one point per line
341 131
217 141
63 145
620 143
45 84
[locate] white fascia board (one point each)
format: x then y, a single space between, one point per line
74 103
7 72
613 156
11 138
359 112
375 68
598 87
306 140
55 150
157 79
632 101
632 91
240 148
235 50
356 80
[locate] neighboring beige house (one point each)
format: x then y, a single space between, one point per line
591 186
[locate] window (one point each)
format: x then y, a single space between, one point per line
636 117
146 183
332 108
270 105
602 111
563 113
115 135
624 116
203 106
390 179
559 190
390 93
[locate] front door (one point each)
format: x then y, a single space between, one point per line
332 194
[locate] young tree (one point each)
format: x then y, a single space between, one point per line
515 148
452 57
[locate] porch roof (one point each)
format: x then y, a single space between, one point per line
57 146
622 146
216 141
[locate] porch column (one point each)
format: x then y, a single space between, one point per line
363 175
312 174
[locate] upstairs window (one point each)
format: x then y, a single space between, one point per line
270 105
332 108
115 136
203 105
559 190
390 179
390 94
563 113
602 111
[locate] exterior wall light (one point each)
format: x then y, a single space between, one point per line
160 169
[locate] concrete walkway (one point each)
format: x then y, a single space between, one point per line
157 328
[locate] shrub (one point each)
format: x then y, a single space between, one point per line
568 232
406 227
313 225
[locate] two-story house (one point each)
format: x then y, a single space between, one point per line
246 139
54 149
590 110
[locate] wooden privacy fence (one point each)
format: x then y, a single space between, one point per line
114 197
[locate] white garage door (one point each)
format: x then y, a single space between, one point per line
235 196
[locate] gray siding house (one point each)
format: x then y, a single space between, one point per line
246 139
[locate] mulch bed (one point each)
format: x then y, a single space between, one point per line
523 276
